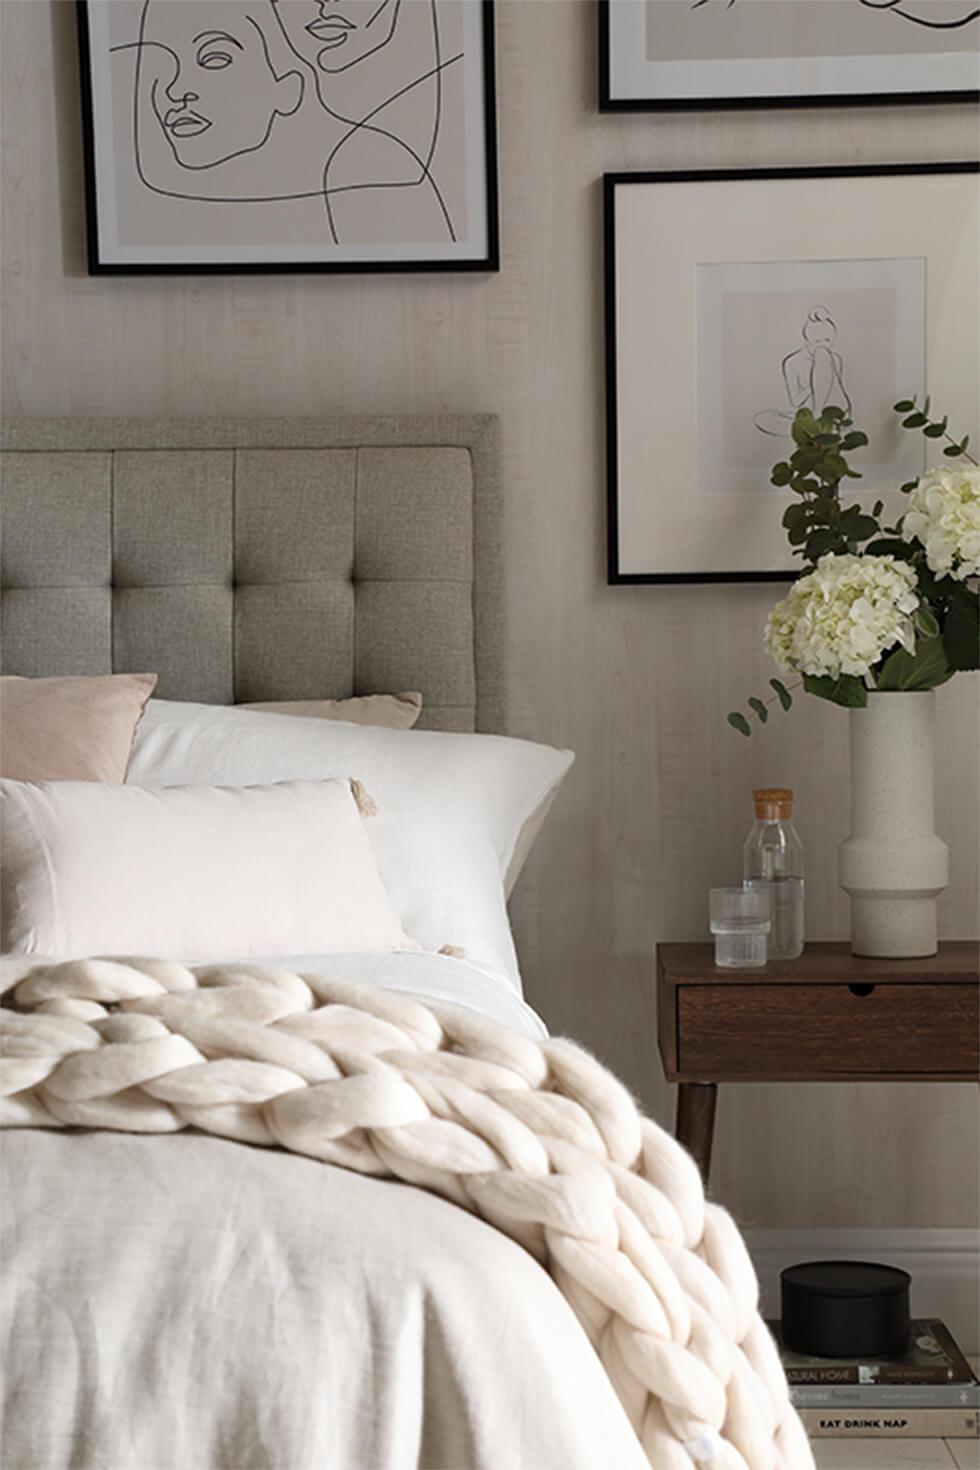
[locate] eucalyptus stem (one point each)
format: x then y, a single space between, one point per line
822 528
918 418
964 452
760 707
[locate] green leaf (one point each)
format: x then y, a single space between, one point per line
804 427
935 589
914 421
910 485
923 669
846 689
952 450
934 431
832 413
960 592
794 515
904 405
804 459
781 474
961 635
820 542
739 722
926 622
862 528
878 507
785 698
855 440
759 707
832 467
891 546
823 511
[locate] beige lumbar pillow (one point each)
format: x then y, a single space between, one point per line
392 711
191 872
70 729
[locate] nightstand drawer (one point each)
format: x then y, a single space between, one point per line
736 1030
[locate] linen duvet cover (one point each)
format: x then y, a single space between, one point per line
190 1303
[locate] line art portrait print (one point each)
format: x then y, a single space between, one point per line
734 298
777 336
664 53
813 375
250 134
934 15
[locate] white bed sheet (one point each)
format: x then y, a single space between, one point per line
425 976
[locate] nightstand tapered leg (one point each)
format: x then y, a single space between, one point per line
696 1121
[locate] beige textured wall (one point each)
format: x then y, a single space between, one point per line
636 680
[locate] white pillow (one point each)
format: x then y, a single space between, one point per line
452 809
192 872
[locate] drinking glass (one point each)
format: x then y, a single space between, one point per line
740 922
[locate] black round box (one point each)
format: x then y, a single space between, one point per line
845 1309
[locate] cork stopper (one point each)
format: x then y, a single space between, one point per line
773 803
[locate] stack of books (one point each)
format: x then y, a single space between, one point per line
930 1392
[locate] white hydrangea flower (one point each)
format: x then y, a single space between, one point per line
840 618
944 515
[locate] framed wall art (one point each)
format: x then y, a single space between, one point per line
657 54
736 297
289 135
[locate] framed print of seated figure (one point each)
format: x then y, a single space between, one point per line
759 53
737 298
234 135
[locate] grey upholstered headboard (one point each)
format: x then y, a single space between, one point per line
260 559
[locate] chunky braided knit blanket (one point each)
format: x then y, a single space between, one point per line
537 1138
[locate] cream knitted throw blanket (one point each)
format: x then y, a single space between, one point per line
537 1138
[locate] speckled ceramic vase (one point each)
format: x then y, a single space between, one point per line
893 865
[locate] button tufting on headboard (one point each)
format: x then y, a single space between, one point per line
260 559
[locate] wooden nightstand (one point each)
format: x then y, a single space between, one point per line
825 1017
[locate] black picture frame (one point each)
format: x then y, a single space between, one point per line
610 103
611 182
484 264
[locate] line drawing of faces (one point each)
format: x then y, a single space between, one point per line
213 77
813 376
916 12
214 91
333 35
376 153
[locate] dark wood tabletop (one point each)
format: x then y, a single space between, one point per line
829 1016
829 961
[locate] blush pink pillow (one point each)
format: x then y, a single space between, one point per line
71 729
392 711
190 872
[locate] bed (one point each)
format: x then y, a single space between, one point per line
190 1303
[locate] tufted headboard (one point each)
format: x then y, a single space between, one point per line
260 559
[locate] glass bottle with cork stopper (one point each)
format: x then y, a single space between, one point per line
773 856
